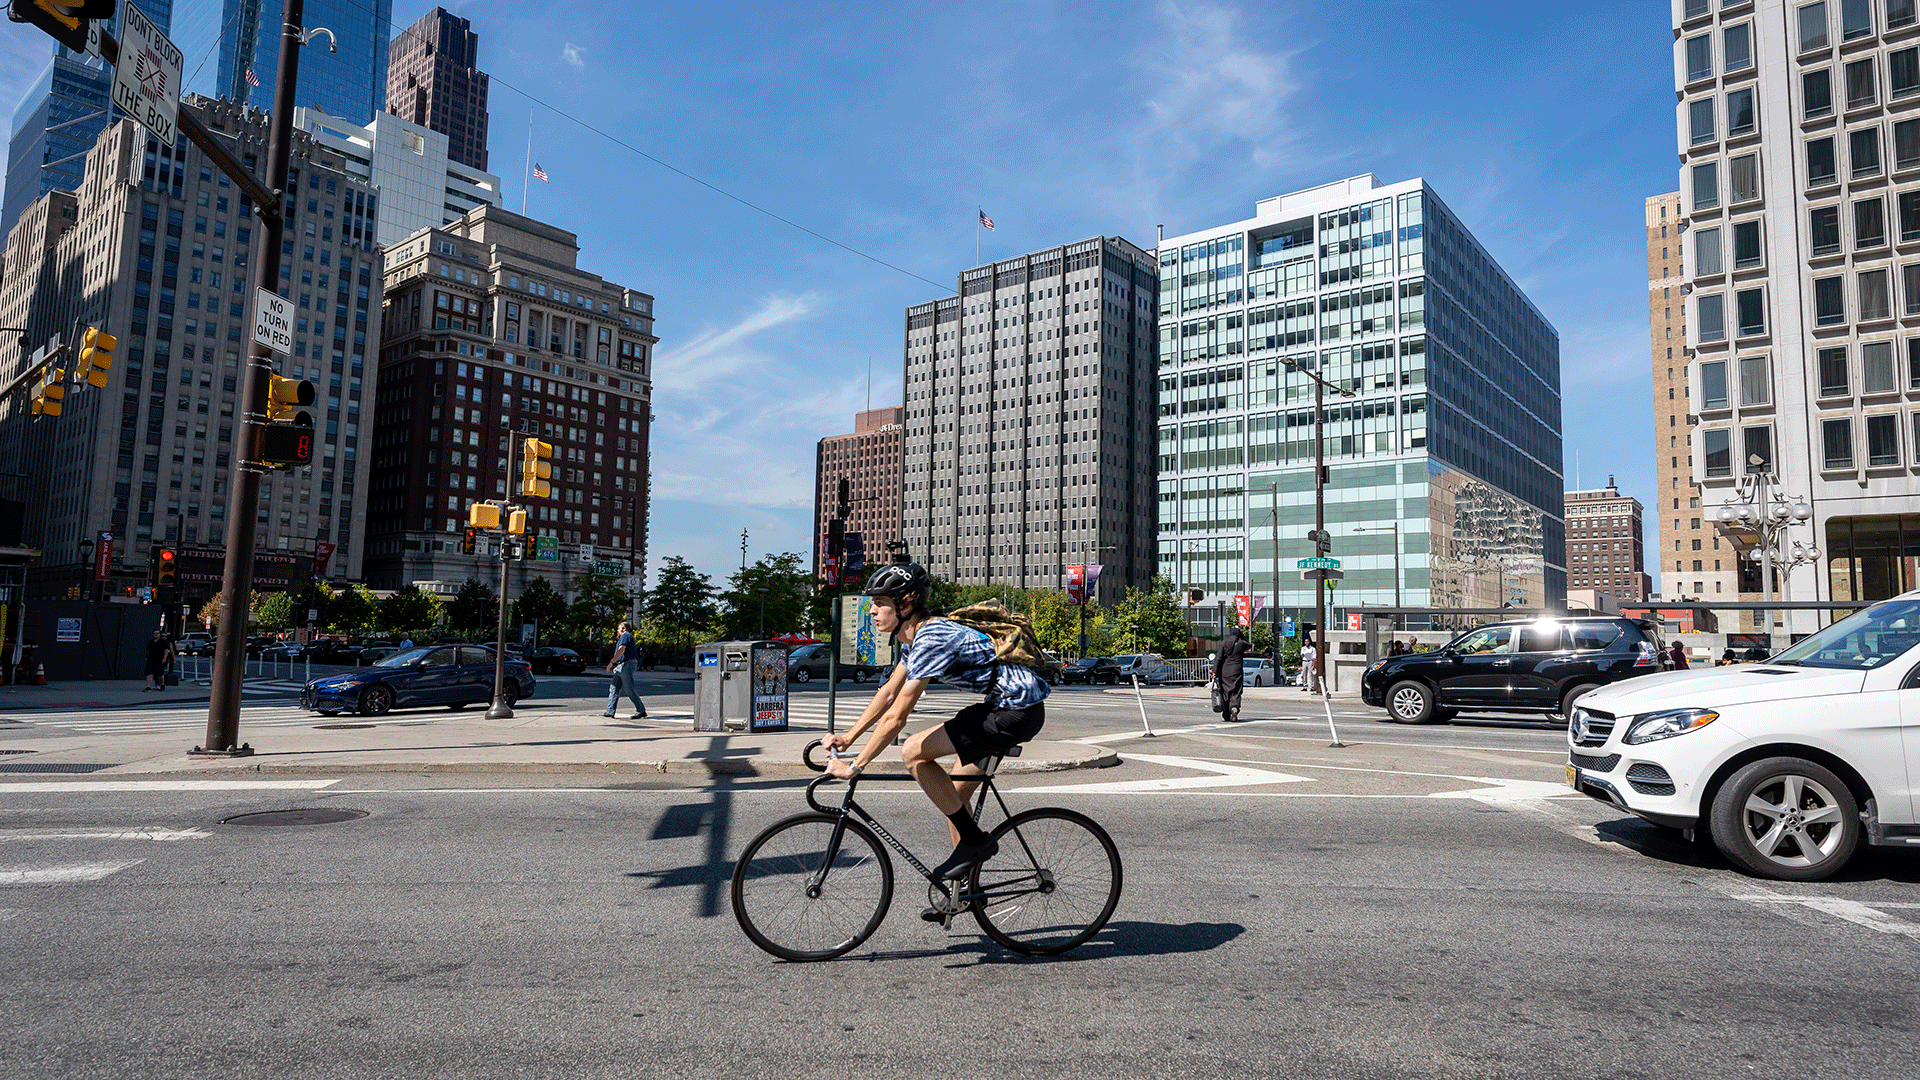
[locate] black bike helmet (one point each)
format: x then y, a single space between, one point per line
900 580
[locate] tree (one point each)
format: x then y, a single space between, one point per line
210 612
1150 621
274 611
410 609
474 609
680 607
599 603
541 606
1055 621
787 589
352 610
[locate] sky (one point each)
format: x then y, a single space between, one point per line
883 126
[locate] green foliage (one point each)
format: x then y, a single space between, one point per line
275 612
352 610
788 591
1151 621
680 610
475 609
599 603
540 605
410 609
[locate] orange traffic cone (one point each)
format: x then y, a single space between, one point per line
40 674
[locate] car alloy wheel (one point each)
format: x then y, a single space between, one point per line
802 675
1786 818
859 675
1410 703
376 700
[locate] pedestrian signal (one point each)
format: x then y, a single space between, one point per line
536 469
96 356
517 522
286 445
483 515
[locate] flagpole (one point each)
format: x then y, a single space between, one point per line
527 182
976 236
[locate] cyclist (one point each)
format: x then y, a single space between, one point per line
957 655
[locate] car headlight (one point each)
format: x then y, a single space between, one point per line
1376 666
1667 723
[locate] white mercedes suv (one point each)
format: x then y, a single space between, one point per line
1787 763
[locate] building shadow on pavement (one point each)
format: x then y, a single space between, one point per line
713 819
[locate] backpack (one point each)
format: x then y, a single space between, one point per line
1012 634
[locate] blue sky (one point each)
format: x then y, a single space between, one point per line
884 125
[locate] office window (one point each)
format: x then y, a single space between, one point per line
1863 153
1836 440
1706 251
1870 223
1813 26
1903 73
1711 317
1821 169
1876 368
1876 300
1883 440
1736 47
1910 288
1823 229
1910 215
1757 442
1816 94
1700 121
1906 144
1706 185
1739 112
1699 57
1754 388
1899 13
1713 384
1716 447
1746 245
1861 91
1833 373
1856 19
1751 308
1743 178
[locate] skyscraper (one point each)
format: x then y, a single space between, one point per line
1029 430
433 79
1444 478
224 41
868 461
420 186
1604 549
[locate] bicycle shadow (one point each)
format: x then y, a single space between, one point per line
1115 941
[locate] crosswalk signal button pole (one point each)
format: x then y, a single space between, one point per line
536 469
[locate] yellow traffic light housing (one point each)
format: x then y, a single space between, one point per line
286 398
168 568
536 469
517 522
470 542
483 515
48 401
96 356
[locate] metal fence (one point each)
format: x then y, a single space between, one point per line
198 670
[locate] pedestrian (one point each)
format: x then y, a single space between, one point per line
1678 654
1309 677
624 666
159 658
1727 658
406 642
1396 647
1230 672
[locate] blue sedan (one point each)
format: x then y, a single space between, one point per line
452 675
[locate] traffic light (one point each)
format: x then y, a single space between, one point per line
536 467
517 522
63 20
96 355
166 568
836 536
1194 595
286 398
1322 541
483 515
470 542
52 393
286 440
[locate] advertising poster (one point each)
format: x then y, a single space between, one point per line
103 557
860 642
769 676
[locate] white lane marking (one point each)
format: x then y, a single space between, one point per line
165 785
1223 729
103 834
8 913
1848 910
1508 791
1349 768
1222 776
62 875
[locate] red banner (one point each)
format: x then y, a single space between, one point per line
1077 585
830 570
103 557
322 555
1353 621
1243 607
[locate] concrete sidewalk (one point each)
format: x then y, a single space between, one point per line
541 738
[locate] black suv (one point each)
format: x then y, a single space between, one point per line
1090 670
1535 666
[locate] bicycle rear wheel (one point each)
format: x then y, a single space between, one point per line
796 906
1052 885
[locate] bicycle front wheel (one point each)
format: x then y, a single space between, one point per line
796 904
1052 885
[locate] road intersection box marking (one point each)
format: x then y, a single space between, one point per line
1219 776
103 834
41 788
1849 910
62 875
1508 791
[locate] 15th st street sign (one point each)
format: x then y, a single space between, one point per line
146 81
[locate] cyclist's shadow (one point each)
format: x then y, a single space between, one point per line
1116 940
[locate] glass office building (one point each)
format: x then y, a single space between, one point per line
1444 476
224 39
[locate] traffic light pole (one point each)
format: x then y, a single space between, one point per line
501 710
243 501
1320 529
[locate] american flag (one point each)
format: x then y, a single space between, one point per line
986 221
539 173
252 79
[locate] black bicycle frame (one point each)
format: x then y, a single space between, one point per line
849 808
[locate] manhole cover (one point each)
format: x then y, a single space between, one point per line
52 767
340 727
295 817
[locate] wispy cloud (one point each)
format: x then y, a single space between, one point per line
574 54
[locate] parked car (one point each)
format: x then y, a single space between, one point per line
375 651
1788 764
283 650
259 642
1090 670
334 651
1259 671
1541 665
553 660
194 644
809 662
455 676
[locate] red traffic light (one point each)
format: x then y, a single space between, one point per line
166 555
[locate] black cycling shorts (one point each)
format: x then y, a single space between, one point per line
982 731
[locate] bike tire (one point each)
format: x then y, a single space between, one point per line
1073 862
770 880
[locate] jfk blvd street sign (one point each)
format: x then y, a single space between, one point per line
273 320
146 81
1318 562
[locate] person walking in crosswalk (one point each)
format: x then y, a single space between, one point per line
159 659
624 666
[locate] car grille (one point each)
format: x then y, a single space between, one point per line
1594 764
1649 779
1599 725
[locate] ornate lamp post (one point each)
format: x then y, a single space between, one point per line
1756 505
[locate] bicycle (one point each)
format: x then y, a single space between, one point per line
815 885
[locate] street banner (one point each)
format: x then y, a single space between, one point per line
1093 579
856 549
103 557
1076 585
860 643
1353 621
830 570
1286 626
322 555
1259 602
1243 608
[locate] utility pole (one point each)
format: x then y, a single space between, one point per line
500 710
1320 387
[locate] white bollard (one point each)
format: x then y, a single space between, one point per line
1142 702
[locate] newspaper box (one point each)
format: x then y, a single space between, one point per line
740 686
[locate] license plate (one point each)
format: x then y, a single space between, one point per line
1573 778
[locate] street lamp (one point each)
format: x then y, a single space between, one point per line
1755 505
1320 387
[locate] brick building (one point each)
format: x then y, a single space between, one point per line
433 80
1604 548
869 460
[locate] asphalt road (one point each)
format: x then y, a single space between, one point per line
1421 902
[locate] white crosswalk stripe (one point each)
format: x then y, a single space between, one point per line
62 875
187 718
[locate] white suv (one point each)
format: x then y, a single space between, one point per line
1786 763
